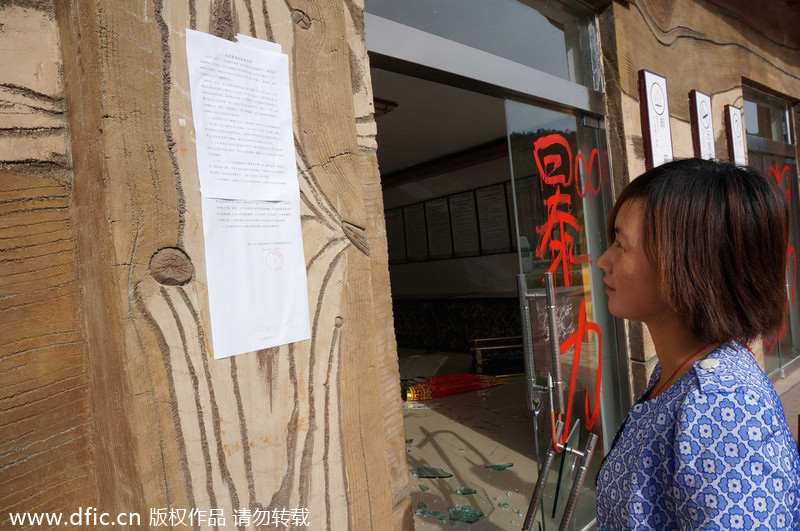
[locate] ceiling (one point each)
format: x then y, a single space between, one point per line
431 121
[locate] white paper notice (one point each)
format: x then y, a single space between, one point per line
257 275
255 265
242 119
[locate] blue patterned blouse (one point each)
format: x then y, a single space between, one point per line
711 452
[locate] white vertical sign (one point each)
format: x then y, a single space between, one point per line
735 131
702 125
655 118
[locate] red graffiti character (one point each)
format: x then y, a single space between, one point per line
562 243
576 340
580 160
785 172
553 157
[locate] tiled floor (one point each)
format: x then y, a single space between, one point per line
463 433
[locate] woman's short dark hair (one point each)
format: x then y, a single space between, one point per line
717 237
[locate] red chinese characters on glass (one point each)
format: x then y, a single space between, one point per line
562 245
574 341
558 171
558 168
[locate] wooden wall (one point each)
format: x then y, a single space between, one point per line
713 46
109 394
46 429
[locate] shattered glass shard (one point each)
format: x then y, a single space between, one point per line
466 490
422 510
432 472
498 467
464 513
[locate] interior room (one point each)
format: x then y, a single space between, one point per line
443 149
435 142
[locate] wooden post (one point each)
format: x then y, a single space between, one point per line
108 360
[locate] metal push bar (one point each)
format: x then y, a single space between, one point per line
538 492
527 342
555 351
577 484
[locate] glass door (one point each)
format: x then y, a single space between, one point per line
771 150
562 193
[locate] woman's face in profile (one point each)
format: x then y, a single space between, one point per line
630 278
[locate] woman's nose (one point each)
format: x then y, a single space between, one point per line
603 262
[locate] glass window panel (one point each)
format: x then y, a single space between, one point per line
767 118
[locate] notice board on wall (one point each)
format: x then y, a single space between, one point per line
440 240
493 219
464 220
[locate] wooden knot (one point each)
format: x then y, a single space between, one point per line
357 235
301 18
171 267
338 322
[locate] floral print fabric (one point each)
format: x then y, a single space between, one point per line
711 452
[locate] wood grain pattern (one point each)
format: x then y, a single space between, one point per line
46 459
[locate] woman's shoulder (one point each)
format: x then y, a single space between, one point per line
731 368
729 385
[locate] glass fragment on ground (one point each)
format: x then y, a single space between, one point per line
431 472
464 513
498 467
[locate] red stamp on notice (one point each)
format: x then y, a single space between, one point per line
274 260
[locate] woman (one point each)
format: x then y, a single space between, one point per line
699 256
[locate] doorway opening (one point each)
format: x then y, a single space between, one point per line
445 172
